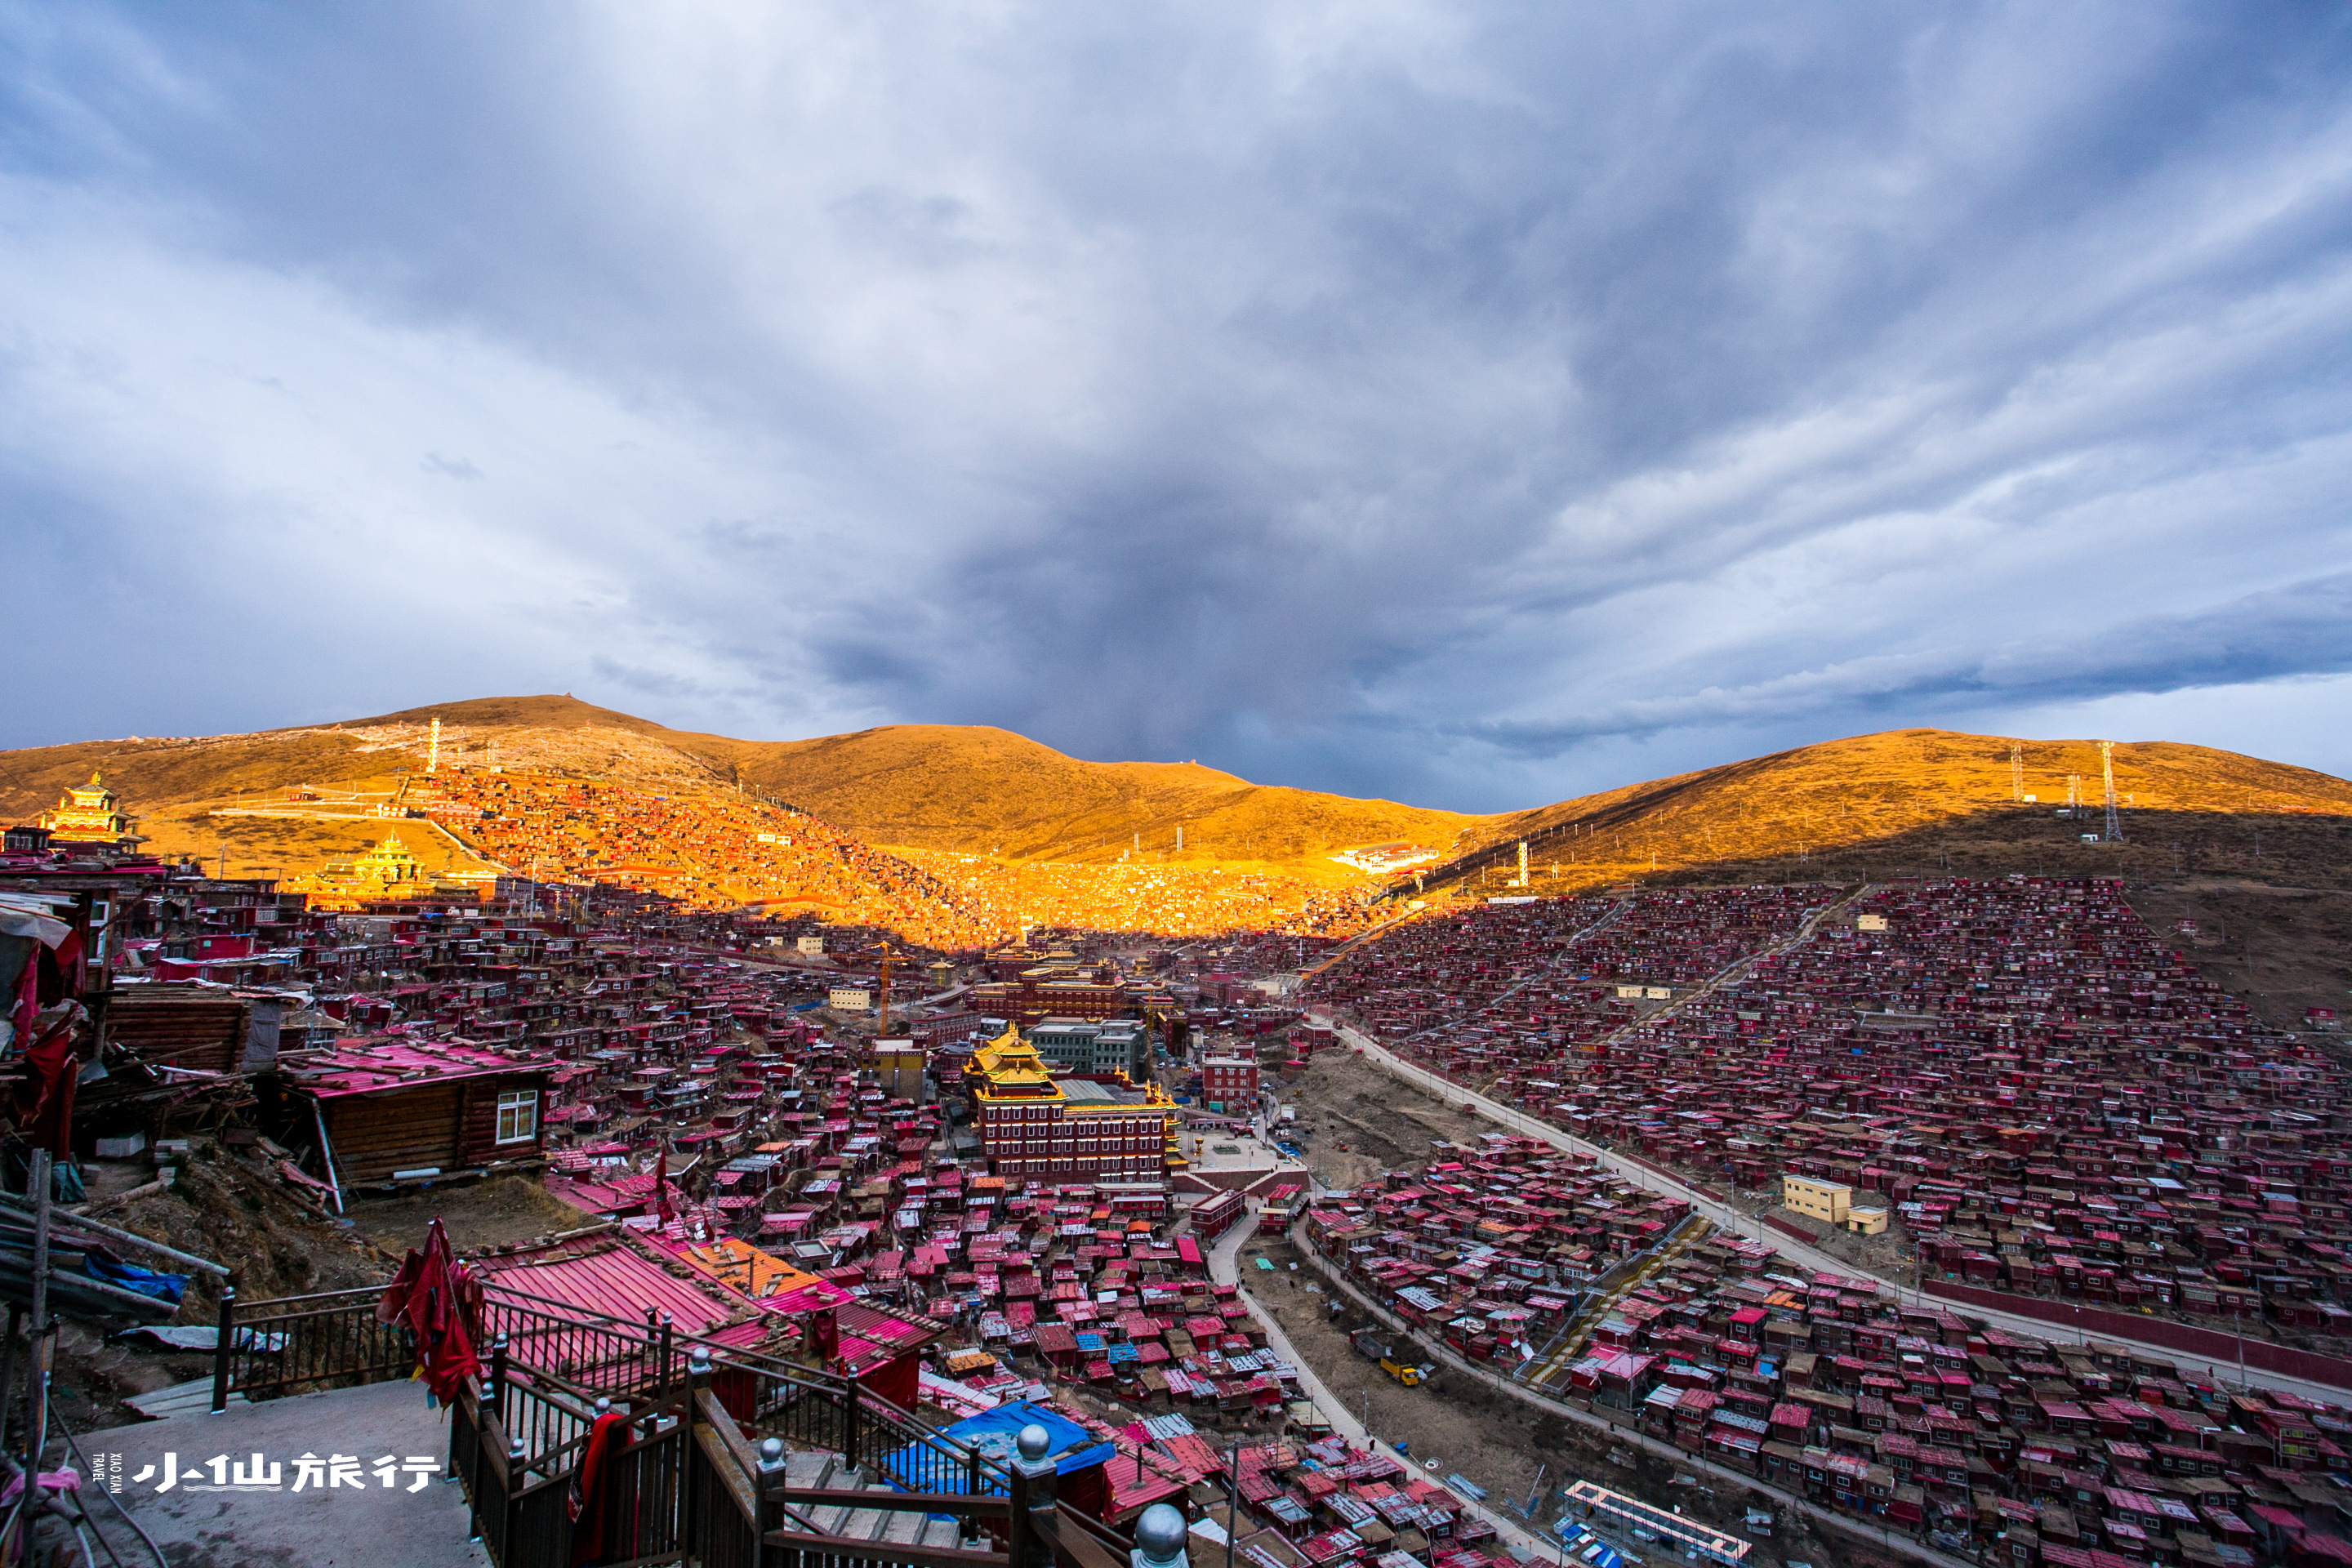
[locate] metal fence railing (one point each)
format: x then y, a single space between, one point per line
303 1344
700 1473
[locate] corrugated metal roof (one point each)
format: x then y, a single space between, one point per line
371 1066
619 1283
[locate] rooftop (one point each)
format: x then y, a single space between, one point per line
367 1067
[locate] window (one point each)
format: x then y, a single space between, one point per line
519 1116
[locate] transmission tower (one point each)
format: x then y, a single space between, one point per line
2016 773
2107 766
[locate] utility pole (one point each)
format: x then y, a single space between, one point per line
2107 767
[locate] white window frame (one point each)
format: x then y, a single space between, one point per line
512 1101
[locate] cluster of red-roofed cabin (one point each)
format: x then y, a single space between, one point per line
2046 1092
2028 1450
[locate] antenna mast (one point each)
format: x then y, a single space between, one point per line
2107 766
433 752
2016 773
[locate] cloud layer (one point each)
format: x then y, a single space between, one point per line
1470 405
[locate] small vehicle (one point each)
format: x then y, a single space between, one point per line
1369 1344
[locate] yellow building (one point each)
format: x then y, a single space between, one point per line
1818 1200
89 815
1037 1126
1831 1202
901 1066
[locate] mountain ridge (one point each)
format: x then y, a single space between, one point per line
976 789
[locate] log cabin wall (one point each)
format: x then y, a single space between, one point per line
478 1138
178 1026
407 1129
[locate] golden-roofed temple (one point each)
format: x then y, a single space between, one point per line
388 863
388 870
1034 1125
89 814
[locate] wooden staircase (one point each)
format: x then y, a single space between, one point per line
820 1472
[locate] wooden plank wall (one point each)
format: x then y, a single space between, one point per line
478 1138
407 1130
180 1025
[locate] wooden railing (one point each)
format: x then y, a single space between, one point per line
700 1475
688 1486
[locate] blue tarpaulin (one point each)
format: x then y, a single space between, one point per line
131 1277
992 1432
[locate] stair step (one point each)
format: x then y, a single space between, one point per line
809 1471
864 1524
938 1532
180 1399
903 1528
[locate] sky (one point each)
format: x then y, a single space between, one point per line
1468 404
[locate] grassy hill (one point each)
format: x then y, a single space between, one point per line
987 791
1870 804
1928 799
977 790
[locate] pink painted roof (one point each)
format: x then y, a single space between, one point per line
620 1283
384 1062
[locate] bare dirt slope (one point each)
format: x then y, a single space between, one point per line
2283 949
231 1209
1358 1122
475 1215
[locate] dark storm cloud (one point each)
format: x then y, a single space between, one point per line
2304 629
1467 405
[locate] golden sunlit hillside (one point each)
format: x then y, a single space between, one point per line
1905 800
1930 799
985 791
972 789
